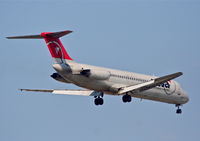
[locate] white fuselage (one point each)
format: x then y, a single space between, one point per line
170 92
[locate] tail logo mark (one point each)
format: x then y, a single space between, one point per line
57 49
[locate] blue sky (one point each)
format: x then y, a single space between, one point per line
154 37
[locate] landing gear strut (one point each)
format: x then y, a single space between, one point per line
126 98
178 111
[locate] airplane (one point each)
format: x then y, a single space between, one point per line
98 81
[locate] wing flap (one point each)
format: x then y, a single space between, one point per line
73 92
66 92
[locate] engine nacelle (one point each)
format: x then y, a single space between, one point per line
96 74
59 78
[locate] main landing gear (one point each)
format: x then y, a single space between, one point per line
126 98
178 111
98 99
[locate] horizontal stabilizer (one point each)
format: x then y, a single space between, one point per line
42 35
26 37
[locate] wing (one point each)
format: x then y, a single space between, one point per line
150 84
66 92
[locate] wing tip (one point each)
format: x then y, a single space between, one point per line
180 73
21 90
37 90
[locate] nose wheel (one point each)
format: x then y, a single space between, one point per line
178 111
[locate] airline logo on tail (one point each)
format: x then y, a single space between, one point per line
56 50
54 44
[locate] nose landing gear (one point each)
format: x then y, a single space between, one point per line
178 111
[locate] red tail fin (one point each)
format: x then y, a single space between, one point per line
54 44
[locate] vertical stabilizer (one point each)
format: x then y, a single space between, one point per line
54 44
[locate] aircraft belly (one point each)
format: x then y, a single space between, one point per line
97 85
